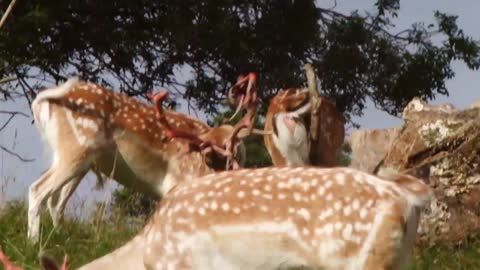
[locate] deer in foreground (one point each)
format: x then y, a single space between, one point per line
89 127
305 129
280 217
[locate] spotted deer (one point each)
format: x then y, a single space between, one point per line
288 121
90 127
280 217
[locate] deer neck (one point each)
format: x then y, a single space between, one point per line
289 144
186 167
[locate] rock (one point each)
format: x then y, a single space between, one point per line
441 145
418 105
369 147
475 104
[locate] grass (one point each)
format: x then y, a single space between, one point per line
87 240
463 257
81 240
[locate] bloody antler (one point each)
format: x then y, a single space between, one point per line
47 263
203 142
7 264
247 98
157 99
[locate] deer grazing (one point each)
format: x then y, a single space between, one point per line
305 129
279 217
89 127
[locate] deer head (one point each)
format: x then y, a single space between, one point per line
290 118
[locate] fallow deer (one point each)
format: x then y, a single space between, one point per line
306 129
88 126
279 217
288 121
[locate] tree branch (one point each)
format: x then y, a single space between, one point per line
7 79
333 14
16 155
12 115
7 12
7 122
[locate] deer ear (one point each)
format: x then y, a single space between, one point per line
48 263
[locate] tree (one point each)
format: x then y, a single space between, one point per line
134 46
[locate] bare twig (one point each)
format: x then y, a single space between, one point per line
7 12
334 5
335 14
8 79
26 87
7 122
314 100
14 113
5 93
16 155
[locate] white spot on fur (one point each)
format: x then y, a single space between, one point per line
340 178
297 196
337 205
225 206
347 210
363 213
304 213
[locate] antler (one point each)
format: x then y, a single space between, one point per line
314 100
47 263
157 99
225 139
7 263
246 99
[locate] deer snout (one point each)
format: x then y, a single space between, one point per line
286 121
291 122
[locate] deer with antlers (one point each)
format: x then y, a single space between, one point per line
303 128
224 139
279 217
89 127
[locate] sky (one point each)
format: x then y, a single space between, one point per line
22 136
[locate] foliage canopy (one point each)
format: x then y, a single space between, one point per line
139 45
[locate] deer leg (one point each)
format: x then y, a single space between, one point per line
58 201
52 181
33 215
52 203
384 240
